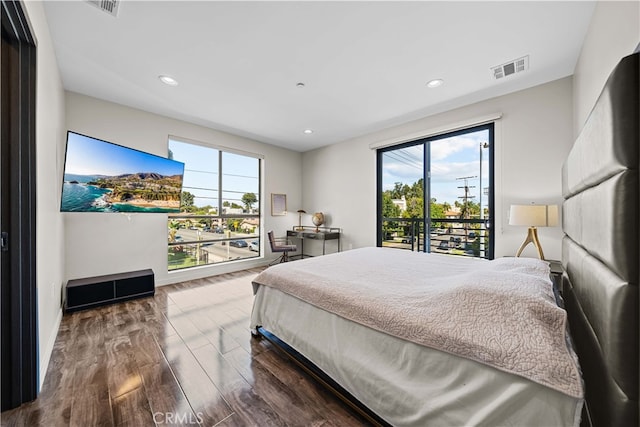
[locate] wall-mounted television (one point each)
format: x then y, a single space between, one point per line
101 176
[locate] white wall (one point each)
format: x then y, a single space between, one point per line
531 141
614 33
99 243
50 134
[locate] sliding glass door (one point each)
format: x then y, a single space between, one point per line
454 173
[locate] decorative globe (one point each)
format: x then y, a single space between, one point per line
317 219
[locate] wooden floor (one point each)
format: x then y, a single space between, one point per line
183 357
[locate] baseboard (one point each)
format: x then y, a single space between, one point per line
200 272
44 362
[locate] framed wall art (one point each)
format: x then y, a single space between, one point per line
278 204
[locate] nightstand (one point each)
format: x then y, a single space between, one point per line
556 271
556 278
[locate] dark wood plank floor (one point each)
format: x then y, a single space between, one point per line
183 357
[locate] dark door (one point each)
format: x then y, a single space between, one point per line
18 315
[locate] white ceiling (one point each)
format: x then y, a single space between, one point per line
365 65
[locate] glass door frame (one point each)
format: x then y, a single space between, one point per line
426 175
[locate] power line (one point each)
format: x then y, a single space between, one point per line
404 159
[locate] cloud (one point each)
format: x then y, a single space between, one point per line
403 165
451 171
444 148
451 158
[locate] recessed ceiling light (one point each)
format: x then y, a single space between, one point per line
168 80
308 131
435 83
300 84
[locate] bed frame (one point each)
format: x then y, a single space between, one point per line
600 250
600 256
325 380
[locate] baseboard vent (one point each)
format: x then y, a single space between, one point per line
108 6
511 67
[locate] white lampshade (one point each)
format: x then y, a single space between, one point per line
534 215
552 215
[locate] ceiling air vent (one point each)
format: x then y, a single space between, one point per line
108 6
511 67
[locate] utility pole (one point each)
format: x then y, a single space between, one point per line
465 204
483 145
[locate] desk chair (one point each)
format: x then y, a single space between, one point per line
279 247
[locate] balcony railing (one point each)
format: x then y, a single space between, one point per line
462 237
195 240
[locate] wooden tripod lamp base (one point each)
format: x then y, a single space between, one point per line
532 237
532 216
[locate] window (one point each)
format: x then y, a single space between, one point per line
454 172
220 210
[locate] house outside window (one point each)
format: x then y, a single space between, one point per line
219 219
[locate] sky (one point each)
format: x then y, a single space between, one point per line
240 173
451 159
89 156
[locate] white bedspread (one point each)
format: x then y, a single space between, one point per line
501 313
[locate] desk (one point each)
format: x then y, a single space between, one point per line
310 233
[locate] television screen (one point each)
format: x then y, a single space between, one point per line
100 176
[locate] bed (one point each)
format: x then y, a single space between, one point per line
429 339
472 347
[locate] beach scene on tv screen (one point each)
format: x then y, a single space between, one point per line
103 177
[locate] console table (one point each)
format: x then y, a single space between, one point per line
100 290
309 233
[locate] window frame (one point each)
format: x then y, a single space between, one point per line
220 216
426 175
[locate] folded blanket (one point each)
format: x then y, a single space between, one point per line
501 313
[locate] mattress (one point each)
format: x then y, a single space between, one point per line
404 382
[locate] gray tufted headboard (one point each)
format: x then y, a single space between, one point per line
600 250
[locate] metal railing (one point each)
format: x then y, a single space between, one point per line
453 236
195 240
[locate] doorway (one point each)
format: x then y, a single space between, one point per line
18 315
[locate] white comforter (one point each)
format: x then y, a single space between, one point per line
501 313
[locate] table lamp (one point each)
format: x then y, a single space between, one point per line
533 216
300 212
